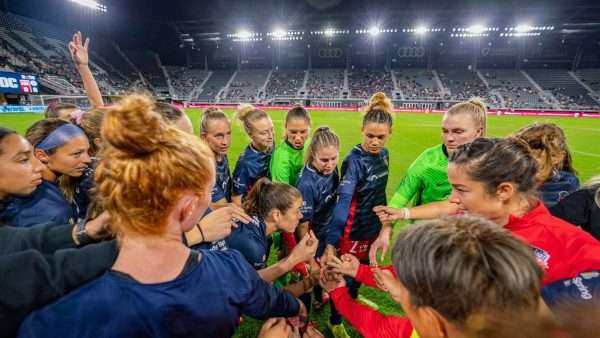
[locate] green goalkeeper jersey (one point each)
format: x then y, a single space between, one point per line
286 164
426 180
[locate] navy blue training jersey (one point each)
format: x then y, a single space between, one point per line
249 239
82 196
319 197
222 188
46 205
585 287
250 167
207 301
557 187
364 176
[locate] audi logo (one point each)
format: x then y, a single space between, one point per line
411 52
330 53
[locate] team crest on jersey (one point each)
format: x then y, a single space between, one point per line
542 256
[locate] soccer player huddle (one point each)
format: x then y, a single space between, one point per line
120 222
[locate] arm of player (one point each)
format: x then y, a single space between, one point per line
369 322
259 299
79 54
303 252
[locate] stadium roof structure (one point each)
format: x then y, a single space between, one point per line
214 21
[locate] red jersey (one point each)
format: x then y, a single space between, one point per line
370 323
562 249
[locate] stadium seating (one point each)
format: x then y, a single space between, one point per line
31 46
417 84
147 63
462 84
561 84
213 85
285 83
514 87
184 80
246 85
325 83
591 77
364 82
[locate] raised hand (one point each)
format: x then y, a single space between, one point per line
387 214
345 265
219 223
330 281
79 49
306 248
381 243
385 279
275 328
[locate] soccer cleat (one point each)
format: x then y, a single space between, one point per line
338 331
367 302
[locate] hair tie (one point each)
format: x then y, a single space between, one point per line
77 115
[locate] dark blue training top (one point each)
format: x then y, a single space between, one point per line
223 185
362 187
205 302
249 239
585 287
250 167
82 195
46 205
319 198
557 187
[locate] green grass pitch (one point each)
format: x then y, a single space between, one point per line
412 133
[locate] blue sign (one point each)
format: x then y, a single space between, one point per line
22 109
16 83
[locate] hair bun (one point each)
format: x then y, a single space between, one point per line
380 101
478 101
243 110
132 126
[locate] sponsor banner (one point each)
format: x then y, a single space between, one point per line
22 109
498 112
17 83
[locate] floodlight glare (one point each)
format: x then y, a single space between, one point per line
476 29
91 4
244 34
523 28
329 32
421 30
279 33
374 30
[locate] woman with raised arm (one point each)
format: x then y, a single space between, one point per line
156 182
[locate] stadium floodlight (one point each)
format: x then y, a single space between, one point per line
243 34
523 28
476 29
91 4
374 30
421 30
279 33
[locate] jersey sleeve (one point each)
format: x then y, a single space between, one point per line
410 185
308 203
574 208
241 178
367 321
365 274
217 194
257 298
350 177
244 244
280 166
